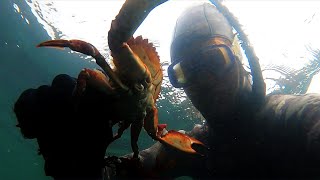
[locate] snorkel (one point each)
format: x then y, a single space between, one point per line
258 84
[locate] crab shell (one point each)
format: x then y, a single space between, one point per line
139 62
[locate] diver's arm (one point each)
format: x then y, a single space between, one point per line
159 161
291 124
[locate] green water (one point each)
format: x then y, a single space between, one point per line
24 66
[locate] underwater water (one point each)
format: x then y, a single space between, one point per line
24 66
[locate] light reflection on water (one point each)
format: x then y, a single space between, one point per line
278 34
17 10
90 21
282 32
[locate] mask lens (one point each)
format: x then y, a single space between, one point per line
176 75
215 59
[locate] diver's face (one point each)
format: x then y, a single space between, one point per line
213 84
203 87
200 66
209 74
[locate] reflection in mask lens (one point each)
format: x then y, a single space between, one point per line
179 74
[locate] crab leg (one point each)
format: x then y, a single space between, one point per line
135 130
88 49
95 78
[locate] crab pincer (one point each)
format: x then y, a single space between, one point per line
87 49
75 45
182 142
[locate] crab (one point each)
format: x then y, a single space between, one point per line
134 82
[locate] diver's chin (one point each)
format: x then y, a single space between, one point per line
198 94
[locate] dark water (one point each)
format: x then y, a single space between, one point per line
24 66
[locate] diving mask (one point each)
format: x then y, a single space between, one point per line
216 59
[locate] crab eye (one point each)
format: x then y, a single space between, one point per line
148 80
139 87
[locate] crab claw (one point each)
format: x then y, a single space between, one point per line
88 49
183 142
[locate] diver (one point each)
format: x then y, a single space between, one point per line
249 136
71 136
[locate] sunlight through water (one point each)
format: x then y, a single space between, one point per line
282 32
